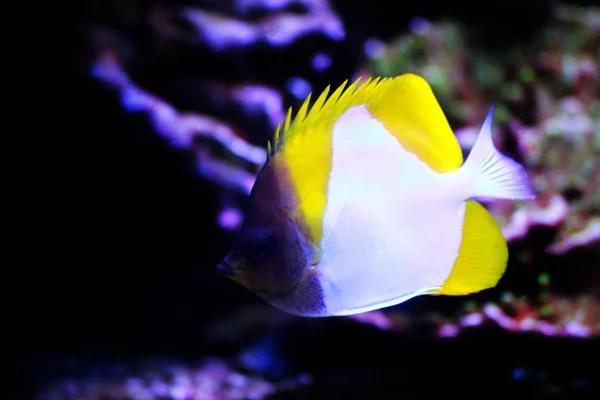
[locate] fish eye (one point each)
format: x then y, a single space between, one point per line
262 248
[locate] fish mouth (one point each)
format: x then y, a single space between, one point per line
225 269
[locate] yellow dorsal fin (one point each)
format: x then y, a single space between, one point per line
305 145
326 110
482 256
408 109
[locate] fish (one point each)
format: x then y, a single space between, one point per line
365 202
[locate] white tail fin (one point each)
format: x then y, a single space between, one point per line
493 174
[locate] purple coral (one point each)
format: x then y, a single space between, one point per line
163 379
220 31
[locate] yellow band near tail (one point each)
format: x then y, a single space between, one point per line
482 256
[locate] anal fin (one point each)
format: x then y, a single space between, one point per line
482 256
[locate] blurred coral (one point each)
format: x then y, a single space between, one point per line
221 31
188 131
558 316
165 379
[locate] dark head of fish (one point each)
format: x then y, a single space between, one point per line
272 252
